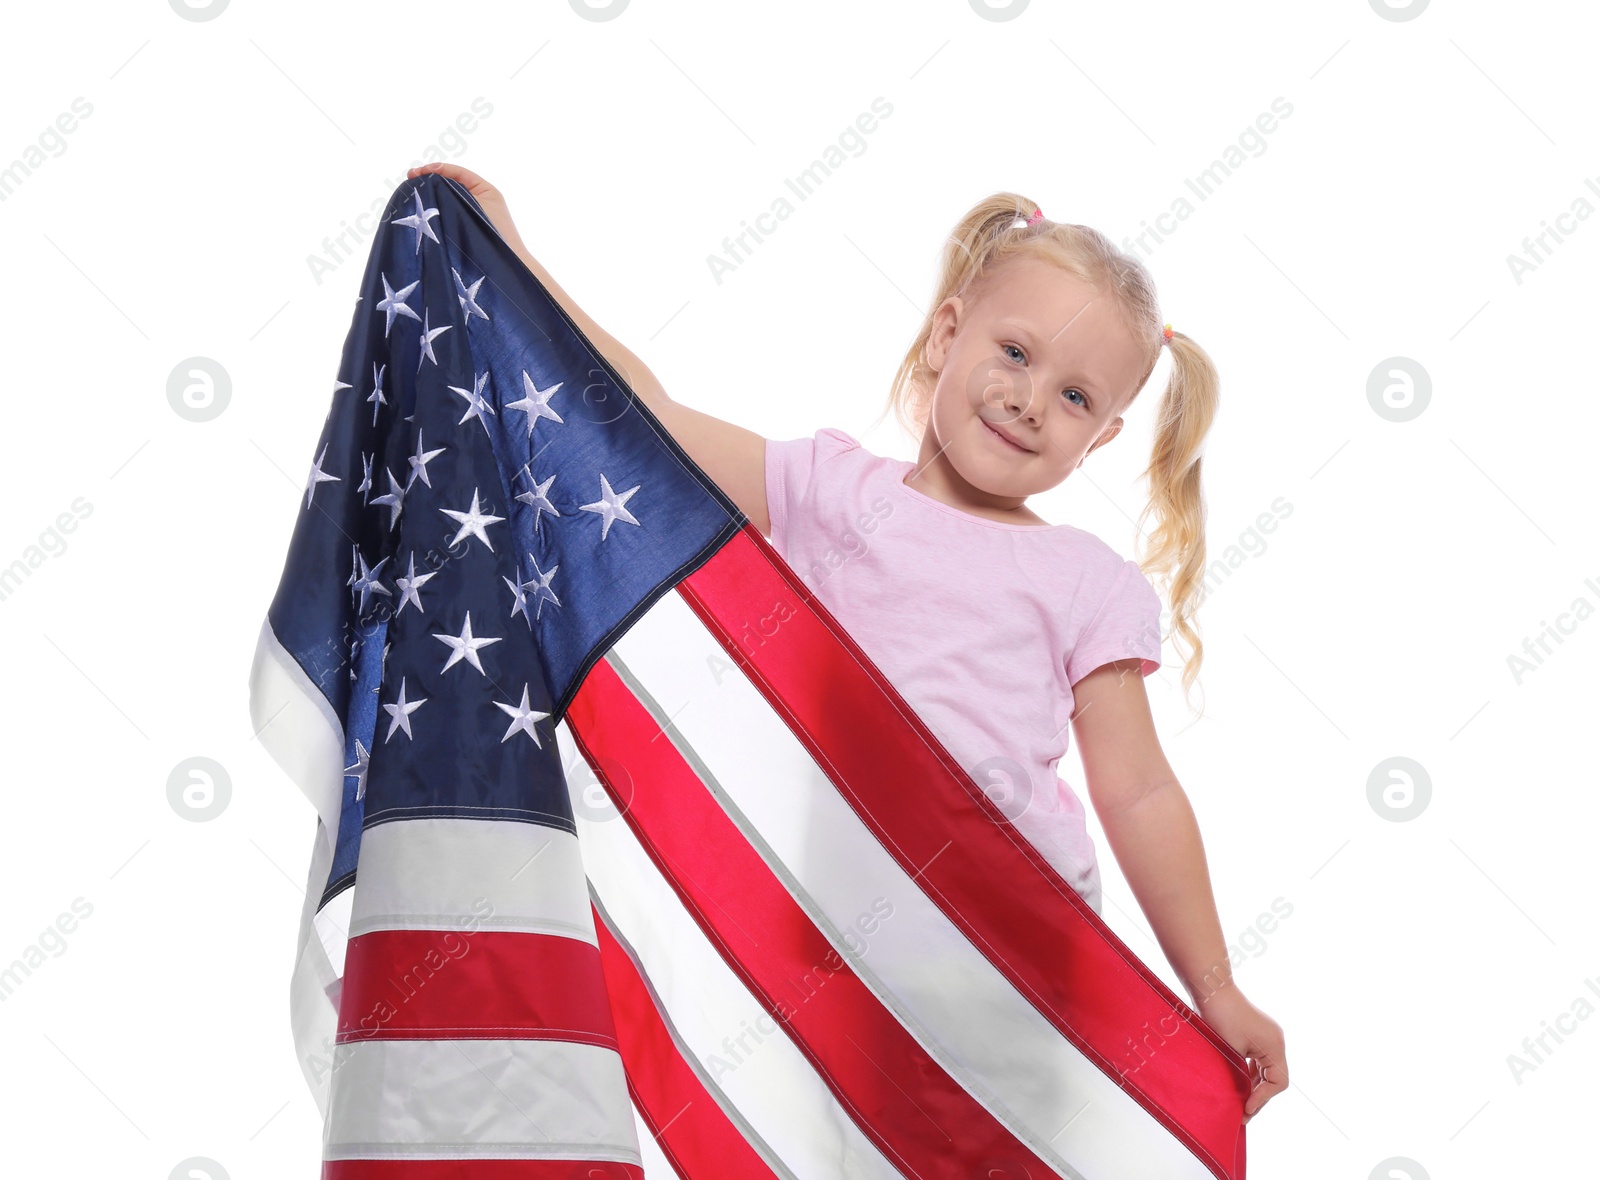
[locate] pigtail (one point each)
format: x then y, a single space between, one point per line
1176 547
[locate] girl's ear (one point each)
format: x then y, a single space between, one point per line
946 321
1113 428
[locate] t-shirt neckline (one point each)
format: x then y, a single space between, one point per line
905 466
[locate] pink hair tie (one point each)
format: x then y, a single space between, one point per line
1036 217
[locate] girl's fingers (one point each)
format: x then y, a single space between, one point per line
1272 1078
470 180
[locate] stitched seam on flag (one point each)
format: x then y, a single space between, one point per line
757 1142
558 1152
661 861
579 1035
507 925
808 905
1178 1131
336 887
433 810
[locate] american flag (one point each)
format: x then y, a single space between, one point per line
629 862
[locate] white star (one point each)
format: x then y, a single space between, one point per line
419 220
410 583
368 582
338 385
427 340
393 303
317 475
538 499
420 461
472 521
401 712
464 646
519 600
610 506
366 475
476 404
360 769
536 404
376 396
468 296
394 499
540 585
522 718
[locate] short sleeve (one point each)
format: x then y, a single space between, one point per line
791 469
1128 625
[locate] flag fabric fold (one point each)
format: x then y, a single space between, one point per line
629 863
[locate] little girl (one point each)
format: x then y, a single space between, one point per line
1040 336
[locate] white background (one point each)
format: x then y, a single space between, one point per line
1377 620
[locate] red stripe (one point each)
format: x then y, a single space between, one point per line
479 1169
922 1120
942 828
690 1127
491 984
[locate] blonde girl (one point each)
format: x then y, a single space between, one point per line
1039 337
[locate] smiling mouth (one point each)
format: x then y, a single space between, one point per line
1004 439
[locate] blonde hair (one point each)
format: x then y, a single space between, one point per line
994 231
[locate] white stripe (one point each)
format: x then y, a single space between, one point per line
298 727
471 1099
958 1006
300 730
433 874
313 1011
766 1080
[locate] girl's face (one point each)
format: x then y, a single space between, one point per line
1038 357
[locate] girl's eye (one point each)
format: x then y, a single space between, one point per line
1012 348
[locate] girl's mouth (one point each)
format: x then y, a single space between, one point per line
1006 441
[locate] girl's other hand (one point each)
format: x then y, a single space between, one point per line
482 191
1254 1034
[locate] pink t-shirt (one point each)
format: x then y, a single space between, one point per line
982 626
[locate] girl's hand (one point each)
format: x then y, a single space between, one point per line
1256 1035
482 191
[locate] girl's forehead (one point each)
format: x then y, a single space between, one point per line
1024 288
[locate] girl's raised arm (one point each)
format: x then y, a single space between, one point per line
735 458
